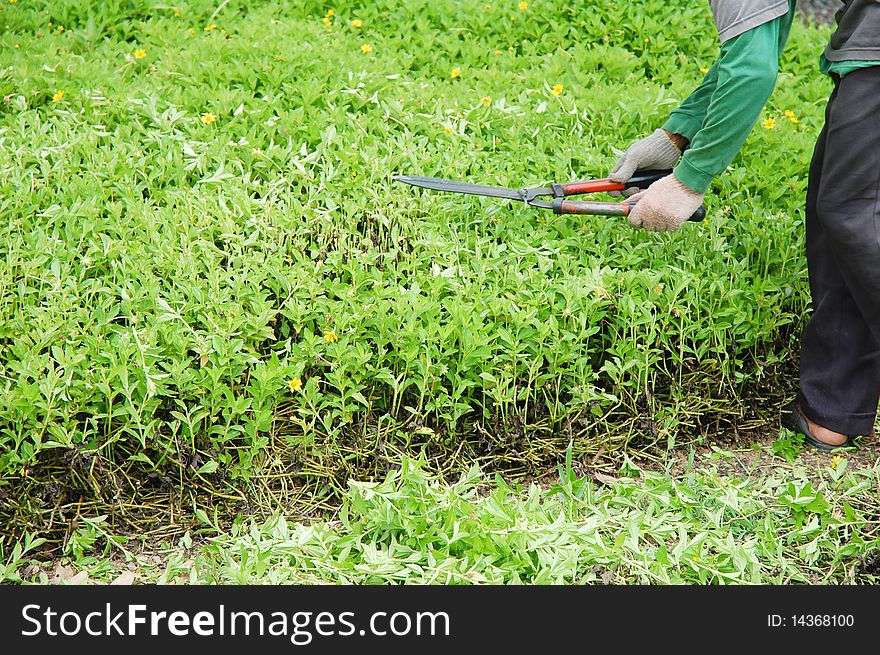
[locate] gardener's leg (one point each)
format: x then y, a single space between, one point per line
840 349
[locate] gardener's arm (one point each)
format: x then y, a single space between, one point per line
718 116
714 121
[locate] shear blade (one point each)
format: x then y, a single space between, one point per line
439 184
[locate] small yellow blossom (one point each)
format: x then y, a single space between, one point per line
557 90
330 337
455 74
176 12
191 31
487 7
836 461
208 118
366 48
59 94
295 384
789 114
497 52
326 21
212 26
486 101
704 70
357 22
140 53
13 2
769 124
448 130
330 13
523 5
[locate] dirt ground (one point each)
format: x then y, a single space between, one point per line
753 457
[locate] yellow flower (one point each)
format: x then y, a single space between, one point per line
769 124
455 74
59 94
366 48
448 130
330 337
487 7
326 21
557 90
789 114
704 70
329 13
357 22
13 2
140 53
176 12
295 384
212 26
523 5
208 118
191 31
836 461
486 101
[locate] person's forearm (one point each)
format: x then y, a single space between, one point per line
744 76
687 119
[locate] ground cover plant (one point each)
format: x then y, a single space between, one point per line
213 296
719 517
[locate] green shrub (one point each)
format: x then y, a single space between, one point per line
204 220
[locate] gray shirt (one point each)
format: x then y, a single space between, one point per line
858 32
733 17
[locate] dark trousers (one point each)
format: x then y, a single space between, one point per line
840 346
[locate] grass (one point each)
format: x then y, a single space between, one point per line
213 298
702 525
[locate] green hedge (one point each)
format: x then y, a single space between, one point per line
168 281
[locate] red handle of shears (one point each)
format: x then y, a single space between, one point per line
641 180
562 206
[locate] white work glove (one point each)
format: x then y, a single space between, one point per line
664 206
656 151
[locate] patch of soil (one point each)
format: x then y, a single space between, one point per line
870 564
751 455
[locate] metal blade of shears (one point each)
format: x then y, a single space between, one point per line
439 184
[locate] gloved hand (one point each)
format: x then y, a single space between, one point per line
664 206
656 151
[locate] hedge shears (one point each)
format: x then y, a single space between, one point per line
559 192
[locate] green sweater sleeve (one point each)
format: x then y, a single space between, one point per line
718 116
